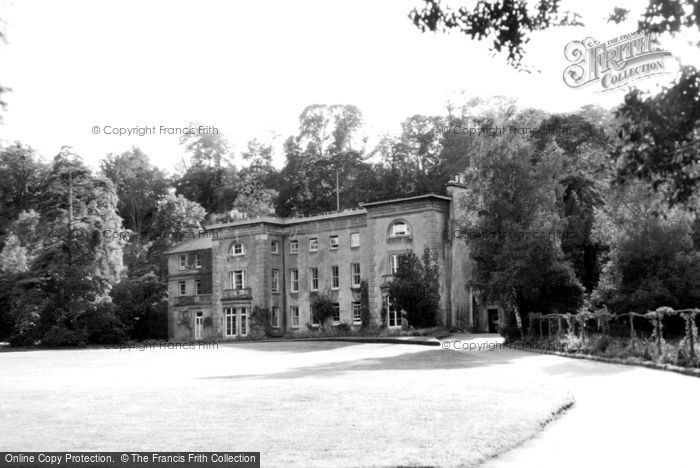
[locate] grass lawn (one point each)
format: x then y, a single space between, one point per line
299 404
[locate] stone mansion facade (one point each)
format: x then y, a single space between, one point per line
276 263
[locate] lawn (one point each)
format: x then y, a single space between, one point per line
299 404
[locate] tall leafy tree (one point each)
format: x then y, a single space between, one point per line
658 138
74 265
415 288
139 185
256 195
325 154
512 203
209 177
175 216
21 175
652 261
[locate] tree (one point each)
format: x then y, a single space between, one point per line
71 266
3 90
652 260
513 203
510 23
324 153
321 307
209 177
658 141
142 306
415 289
255 193
21 174
14 257
139 185
174 217
584 140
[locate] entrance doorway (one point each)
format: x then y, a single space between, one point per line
198 325
493 320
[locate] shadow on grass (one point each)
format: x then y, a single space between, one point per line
432 359
290 346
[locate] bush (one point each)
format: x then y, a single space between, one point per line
343 329
509 328
60 336
102 326
259 323
141 305
321 307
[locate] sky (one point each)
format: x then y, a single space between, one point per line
250 68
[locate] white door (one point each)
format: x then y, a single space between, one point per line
198 325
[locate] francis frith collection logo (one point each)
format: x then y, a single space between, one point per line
614 63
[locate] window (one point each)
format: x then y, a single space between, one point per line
294 275
394 316
393 264
355 270
314 320
313 279
243 312
230 328
336 312
333 241
197 261
293 246
275 247
198 287
237 249
236 279
294 314
354 239
313 244
183 262
275 316
275 280
235 321
356 313
335 277
183 288
399 228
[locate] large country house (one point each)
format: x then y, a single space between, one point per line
276 263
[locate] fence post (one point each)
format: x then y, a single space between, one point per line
690 323
559 326
632 336
658 332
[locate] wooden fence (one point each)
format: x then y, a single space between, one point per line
578 324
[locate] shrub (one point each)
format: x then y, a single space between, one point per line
364 305
60 336
321 307
343 329
260 322
102 326
141 305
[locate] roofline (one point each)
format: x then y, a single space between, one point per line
287 221
398 200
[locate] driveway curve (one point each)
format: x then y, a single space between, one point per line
624 415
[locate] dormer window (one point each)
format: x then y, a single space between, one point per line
399 228
237 249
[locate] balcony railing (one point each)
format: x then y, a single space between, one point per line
192 300
239 293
